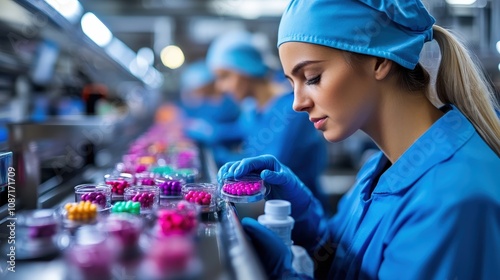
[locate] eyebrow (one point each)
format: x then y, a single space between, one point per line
302 64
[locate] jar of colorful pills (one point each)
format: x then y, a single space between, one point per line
244 190
131 207
37 232
119 183
145 179
77 213
176 218
91 255
125 230
99 194
147 196
170 186
202 194
171 258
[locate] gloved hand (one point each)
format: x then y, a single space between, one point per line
285 185
276 257
306 210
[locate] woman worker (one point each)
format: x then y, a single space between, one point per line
268 123
204 107
428 205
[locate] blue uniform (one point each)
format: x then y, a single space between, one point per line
283 133
434 214
223 110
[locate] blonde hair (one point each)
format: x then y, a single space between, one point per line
460 82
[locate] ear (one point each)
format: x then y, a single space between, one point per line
382 68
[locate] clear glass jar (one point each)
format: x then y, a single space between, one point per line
202 194
99 194
170 186
148 196
176 218
247 189
36 233
125 230
145 179
119 183
91 255
171 258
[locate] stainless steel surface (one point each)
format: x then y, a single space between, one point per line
69 134
244 262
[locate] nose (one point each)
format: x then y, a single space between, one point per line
301 101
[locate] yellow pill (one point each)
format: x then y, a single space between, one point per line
77 216
79 208
67 206
84 217
71 217
93 208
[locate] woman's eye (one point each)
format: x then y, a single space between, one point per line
314 80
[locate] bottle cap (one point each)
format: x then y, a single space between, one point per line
278 207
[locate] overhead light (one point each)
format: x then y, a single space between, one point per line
96 30
498 46
249 9
172 57
147 55
461 2
153 78
70 9
120 52
138 67
498 66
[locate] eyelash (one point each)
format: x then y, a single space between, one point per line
313 81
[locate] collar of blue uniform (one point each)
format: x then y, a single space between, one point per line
437 144
392 29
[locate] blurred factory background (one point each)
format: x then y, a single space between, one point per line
59 56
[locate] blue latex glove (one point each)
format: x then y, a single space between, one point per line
285 185
275 256
310 224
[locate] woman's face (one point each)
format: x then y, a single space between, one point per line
338 98
232 82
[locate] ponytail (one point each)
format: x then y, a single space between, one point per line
460 82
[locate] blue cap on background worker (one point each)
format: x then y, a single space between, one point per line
205 107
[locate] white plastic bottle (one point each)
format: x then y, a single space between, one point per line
277 218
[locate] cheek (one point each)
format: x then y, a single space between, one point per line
338 94
347 101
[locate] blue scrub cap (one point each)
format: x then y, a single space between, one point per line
392 29
195 75
236 51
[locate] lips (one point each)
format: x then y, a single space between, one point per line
318 122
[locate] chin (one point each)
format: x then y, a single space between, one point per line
335 136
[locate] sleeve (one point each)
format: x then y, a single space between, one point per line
228 131
223 154
457 241
280 132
